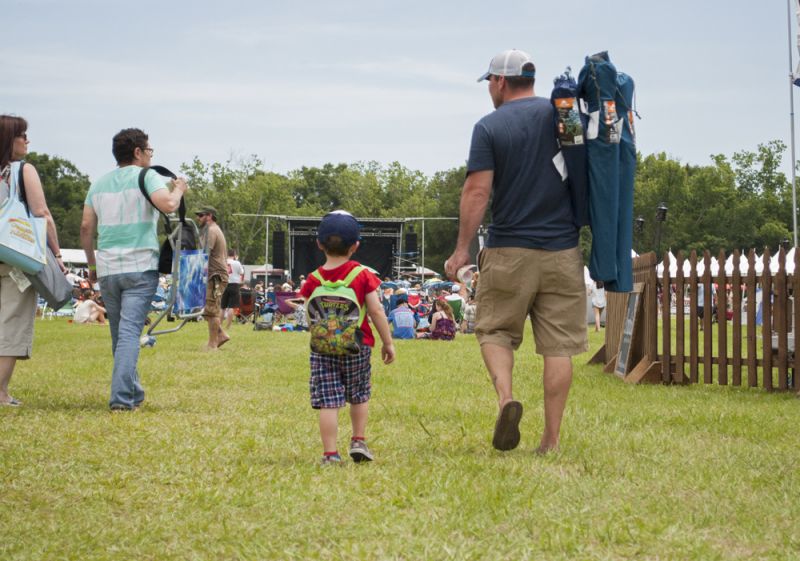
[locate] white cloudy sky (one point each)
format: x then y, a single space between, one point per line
305 83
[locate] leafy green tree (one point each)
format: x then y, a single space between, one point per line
65 189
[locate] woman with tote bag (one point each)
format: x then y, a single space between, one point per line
17 296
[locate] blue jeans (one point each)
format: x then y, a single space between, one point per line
127 297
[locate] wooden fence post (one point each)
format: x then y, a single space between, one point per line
766 321
722 321
752 373
737 319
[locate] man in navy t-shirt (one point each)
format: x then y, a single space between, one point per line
531 265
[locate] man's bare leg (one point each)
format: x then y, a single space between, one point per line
499 362
557 380
213 331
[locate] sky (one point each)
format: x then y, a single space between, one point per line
307 83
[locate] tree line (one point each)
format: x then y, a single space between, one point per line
741 201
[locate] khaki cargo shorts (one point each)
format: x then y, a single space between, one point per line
214 290
546 286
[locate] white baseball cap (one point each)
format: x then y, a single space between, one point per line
509 63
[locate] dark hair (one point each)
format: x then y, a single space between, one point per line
10 128
522 82
335 246
126 142
231 252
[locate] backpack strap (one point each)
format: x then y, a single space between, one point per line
161 170
347 281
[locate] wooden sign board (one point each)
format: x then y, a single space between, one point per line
629 328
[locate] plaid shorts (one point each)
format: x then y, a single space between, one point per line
339 379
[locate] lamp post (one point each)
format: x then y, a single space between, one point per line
661 217
638 228
792 84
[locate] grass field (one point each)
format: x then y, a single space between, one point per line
222 461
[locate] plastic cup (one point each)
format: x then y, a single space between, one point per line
466 273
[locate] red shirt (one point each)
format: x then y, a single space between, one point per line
362 285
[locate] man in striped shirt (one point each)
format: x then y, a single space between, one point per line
126 264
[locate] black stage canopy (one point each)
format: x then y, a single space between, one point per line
380 243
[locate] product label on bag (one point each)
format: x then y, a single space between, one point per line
612 122
570 131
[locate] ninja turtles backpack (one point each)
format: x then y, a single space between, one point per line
335 316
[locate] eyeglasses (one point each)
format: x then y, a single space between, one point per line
23 136
149 151
201 214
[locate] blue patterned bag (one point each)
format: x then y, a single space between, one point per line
190 294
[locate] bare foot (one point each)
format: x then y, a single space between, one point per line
222 341
545 449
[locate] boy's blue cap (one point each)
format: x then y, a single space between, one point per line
339 223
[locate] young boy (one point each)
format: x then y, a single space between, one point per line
336 380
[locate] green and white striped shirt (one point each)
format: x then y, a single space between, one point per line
127 240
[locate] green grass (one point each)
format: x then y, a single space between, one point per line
221 463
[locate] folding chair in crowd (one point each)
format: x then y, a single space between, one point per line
283 307
248 310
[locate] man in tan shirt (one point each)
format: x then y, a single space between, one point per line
213 242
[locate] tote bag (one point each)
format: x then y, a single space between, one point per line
22 236
51 284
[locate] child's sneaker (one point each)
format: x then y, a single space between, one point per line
359 451
331 460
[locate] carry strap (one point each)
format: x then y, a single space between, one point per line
23 196
351 276
161 170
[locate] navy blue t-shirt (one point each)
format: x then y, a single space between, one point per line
531 207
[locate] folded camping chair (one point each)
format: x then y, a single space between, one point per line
186 295
247 310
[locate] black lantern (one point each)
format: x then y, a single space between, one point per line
661 212
661 217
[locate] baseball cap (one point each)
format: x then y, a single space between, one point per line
509 63
206 210
339 223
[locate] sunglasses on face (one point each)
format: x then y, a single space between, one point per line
23 136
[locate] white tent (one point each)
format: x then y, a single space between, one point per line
75 257
728 267
773 262
759 266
